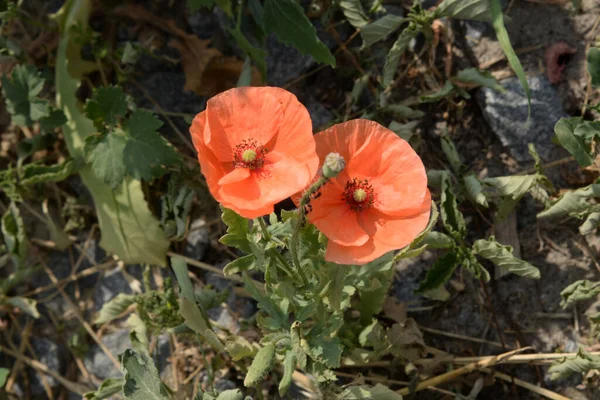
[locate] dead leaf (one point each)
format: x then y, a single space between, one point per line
394 310
207 71
406 340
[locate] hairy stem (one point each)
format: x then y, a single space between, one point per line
314 188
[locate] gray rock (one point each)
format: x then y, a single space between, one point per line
50 354
507 115
223 318
111 284
224 384
198 240
98 363
204 23
321 117
284 63
243 307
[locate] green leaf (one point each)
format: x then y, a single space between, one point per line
474 189
146 152
354 13
511 189
451 153
579 291
564 130
55 119
189 310
289 366
336 275
261 365
327 351
128 228
4 372
138 334
478 10
380 29
130 54
287 20
452 218
142 381
404 112
195 5
405 131
593 65
237 231
108 388
591 223
511 56
502 256
114 307
438 240
377 392
34 173
255 53
20 92
434 97
238 347
106 107
440 272
480 78
13 231
395 54
231 394
581 363
28 306
241 264
105 164
571 202
588 130
176 207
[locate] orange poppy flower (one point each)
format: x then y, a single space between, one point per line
379 202
255 147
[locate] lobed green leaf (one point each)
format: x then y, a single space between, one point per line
502 256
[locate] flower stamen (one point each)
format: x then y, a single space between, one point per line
359 194
249 154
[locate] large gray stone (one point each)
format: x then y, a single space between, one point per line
98 363
50 354
507 115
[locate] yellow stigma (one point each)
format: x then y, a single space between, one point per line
249 155
359 195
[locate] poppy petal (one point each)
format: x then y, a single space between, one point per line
248 113
341 226
238 174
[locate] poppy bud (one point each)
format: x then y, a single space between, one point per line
333 165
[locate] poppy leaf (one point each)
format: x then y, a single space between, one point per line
287 20
106 390
511 189
474 189
54 119
380 29
258 55
593 65
237 231
289 366
581 363
579 291
28 306
21 92
15 239
452 218
440 272
146 153
502 256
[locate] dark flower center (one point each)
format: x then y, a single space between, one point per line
249 154
359 194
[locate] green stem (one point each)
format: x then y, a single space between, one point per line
146 277
239 15
264 229
314 188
